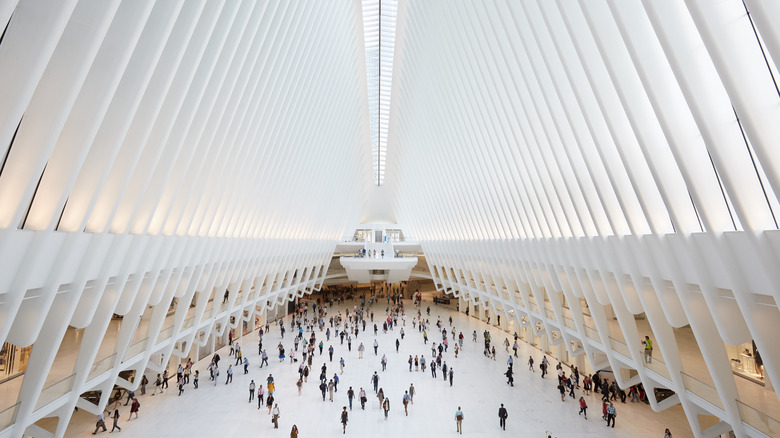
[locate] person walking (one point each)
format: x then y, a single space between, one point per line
459 420
116 421
229 374
196 378
667 433
384 362
344 419
275 413
294 432
269 402
386 407
452 373
180 384
583 407
323 389
376 348
502 415
251 391
260 393
134 408
363 399
375 381
350 396
611 414
648 349
361 349
101 422
411 392
406 401
144 382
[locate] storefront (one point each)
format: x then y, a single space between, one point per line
13 361
746 361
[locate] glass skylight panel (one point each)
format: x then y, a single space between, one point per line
379 36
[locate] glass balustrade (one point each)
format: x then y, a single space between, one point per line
136 348
101 366
592 333
55 391
620 347
759 420
8 416
702 390
655 364
165 334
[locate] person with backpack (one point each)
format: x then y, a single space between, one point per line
134 407
157 384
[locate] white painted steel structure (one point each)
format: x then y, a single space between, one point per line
560 161
161 150
561 158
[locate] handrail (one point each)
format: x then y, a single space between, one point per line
702 390
620 347
136 349
101 366
165 334
8 416
655 364
592 333
55 391
758 420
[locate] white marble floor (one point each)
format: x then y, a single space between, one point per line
534 404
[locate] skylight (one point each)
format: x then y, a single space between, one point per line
379 35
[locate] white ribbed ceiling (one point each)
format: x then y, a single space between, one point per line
586 118
569 164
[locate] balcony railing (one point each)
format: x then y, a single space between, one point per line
702 390
165 334
101 366
55 391
759 420
8 416
620 347
655 364
136 349
592 333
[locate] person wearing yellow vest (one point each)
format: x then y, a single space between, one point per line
648 349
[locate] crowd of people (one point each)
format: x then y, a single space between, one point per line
316 330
